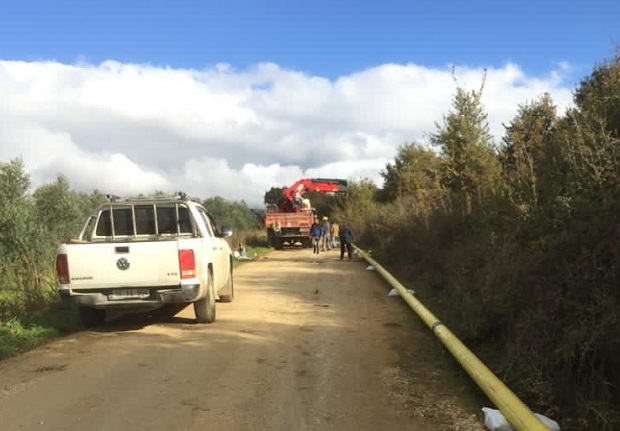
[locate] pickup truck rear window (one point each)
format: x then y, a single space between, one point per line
166 220
185 220
145 220
104 224
123 225
150 219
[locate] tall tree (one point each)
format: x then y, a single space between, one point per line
58 210
21 238
469 164
593 131
598 96
360 208
527 150
273 196
414 174
235 214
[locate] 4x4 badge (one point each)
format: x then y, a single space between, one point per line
122 264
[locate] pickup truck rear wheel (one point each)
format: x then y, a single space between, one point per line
91 316
204 308
230 288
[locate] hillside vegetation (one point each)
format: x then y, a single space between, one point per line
516 246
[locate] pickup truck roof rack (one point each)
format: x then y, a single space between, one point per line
181 196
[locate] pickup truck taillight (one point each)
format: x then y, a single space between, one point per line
187 264
62 268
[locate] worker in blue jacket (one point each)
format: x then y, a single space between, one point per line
316 232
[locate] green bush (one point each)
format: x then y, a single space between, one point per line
16 337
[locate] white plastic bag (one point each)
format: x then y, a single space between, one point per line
494 420
550 423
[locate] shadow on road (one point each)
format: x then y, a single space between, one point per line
130 321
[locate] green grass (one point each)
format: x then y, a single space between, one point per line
16 338
25 326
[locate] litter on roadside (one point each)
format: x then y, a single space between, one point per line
394 292
370 268
494 420
239 256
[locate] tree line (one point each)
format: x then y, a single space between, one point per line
516 245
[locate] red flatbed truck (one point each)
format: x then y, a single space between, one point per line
289 222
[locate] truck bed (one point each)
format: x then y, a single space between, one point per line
289 219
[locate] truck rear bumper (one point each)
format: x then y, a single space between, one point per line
157 297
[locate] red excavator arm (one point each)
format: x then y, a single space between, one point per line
305 185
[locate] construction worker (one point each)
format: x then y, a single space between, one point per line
346 236
297 200
325 239
335 234
316 232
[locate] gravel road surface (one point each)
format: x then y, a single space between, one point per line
310 343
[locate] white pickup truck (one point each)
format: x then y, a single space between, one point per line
143 254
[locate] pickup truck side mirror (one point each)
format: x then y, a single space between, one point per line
225 231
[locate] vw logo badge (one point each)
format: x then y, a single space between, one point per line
122 264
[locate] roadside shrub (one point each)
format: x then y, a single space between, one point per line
16 337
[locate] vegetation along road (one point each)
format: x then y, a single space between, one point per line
310 343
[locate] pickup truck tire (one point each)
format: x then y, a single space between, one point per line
204 308
90 316
230 287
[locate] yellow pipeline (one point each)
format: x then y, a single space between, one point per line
517 413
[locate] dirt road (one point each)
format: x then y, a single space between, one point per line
310 343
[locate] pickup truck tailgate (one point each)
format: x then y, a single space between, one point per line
134 264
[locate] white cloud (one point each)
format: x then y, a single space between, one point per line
127 128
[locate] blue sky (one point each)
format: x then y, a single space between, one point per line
232 97
326 38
